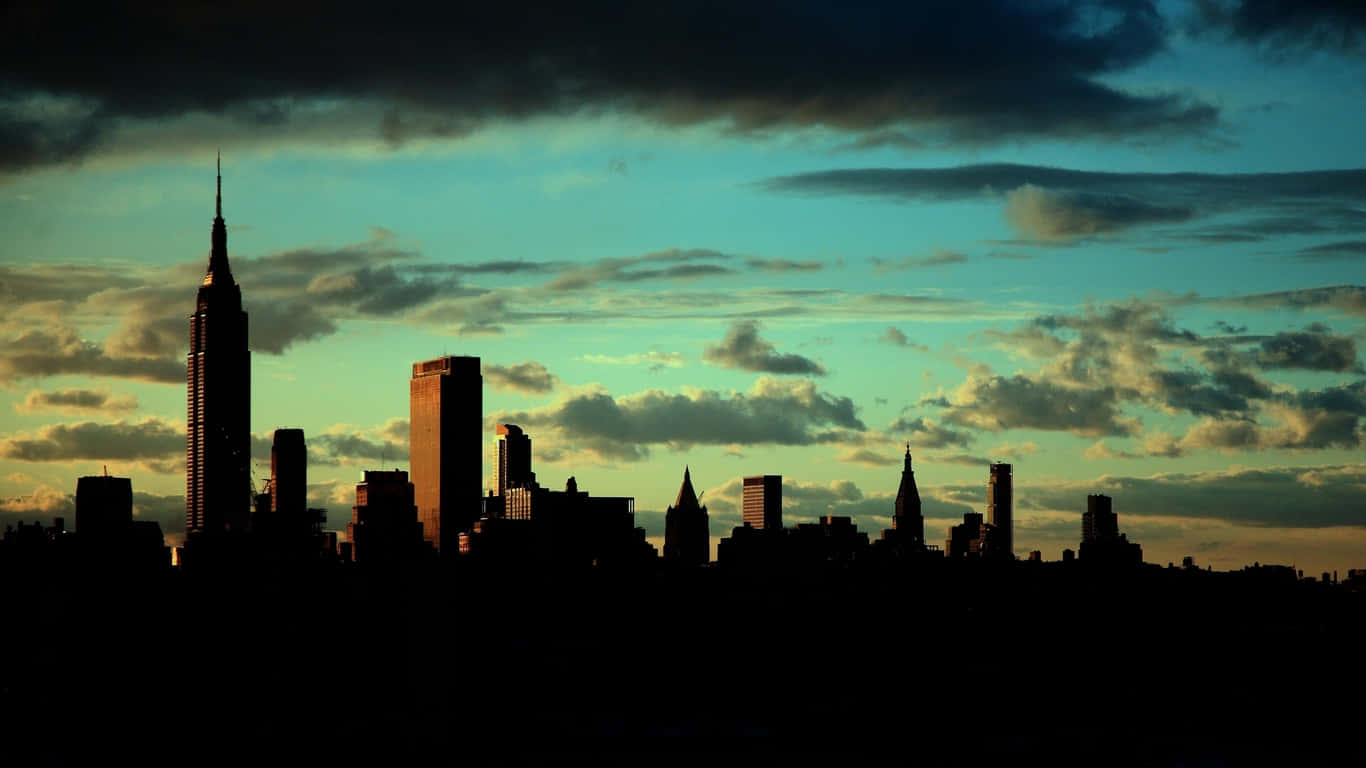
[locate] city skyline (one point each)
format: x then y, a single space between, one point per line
1161 303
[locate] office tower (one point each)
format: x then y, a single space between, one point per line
687 533
288 472
218 494
104 506
446 415
384 528
762 502
1000 506
1098 522
513 469
906 519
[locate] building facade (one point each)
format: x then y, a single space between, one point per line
104 506
1001 507
446 414
384 529
218 494
762 502
907 520
513 457
288 472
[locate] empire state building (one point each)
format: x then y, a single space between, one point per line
218 375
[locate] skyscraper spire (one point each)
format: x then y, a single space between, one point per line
218 272
218 199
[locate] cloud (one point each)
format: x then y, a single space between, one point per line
1047 215
1353 250
636 269
654 359
783 265
924 433
1348 299
877 75
1285 497
1055 203
341 444
76 401
867 458
45 502
1313 349
998 403
529 377
60 351
939 257
772 412
1284 26
153 443
742 348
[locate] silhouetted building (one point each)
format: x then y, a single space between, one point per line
750 547
446 414
965 539
687 532
1101 541
565 528
513 469
104 507
762 502
384 527
833 539
1000 509
288 472
1099 521
218 377
906 537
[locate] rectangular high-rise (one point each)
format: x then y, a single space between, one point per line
762 502
1001 505
513 469
288 472
104 506
445 421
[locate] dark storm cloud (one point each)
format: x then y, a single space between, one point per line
964 71
529 377
743 348
150 439
773 411
1286 26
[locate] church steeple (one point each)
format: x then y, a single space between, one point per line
907 515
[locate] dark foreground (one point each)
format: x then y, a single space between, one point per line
971 664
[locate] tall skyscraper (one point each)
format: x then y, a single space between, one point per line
513 469
906 518
218 376
288 472
445 422
1000 506
762 502
687 533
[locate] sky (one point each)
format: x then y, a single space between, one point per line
1119 245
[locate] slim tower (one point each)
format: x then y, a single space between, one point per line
446 416
513 469
1000 505
218 379
907 520
762 502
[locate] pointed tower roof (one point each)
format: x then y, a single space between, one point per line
687 497
907 493
218 272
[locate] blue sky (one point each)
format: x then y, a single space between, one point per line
747 261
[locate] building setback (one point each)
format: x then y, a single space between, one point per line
218 492
446 414
384 529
